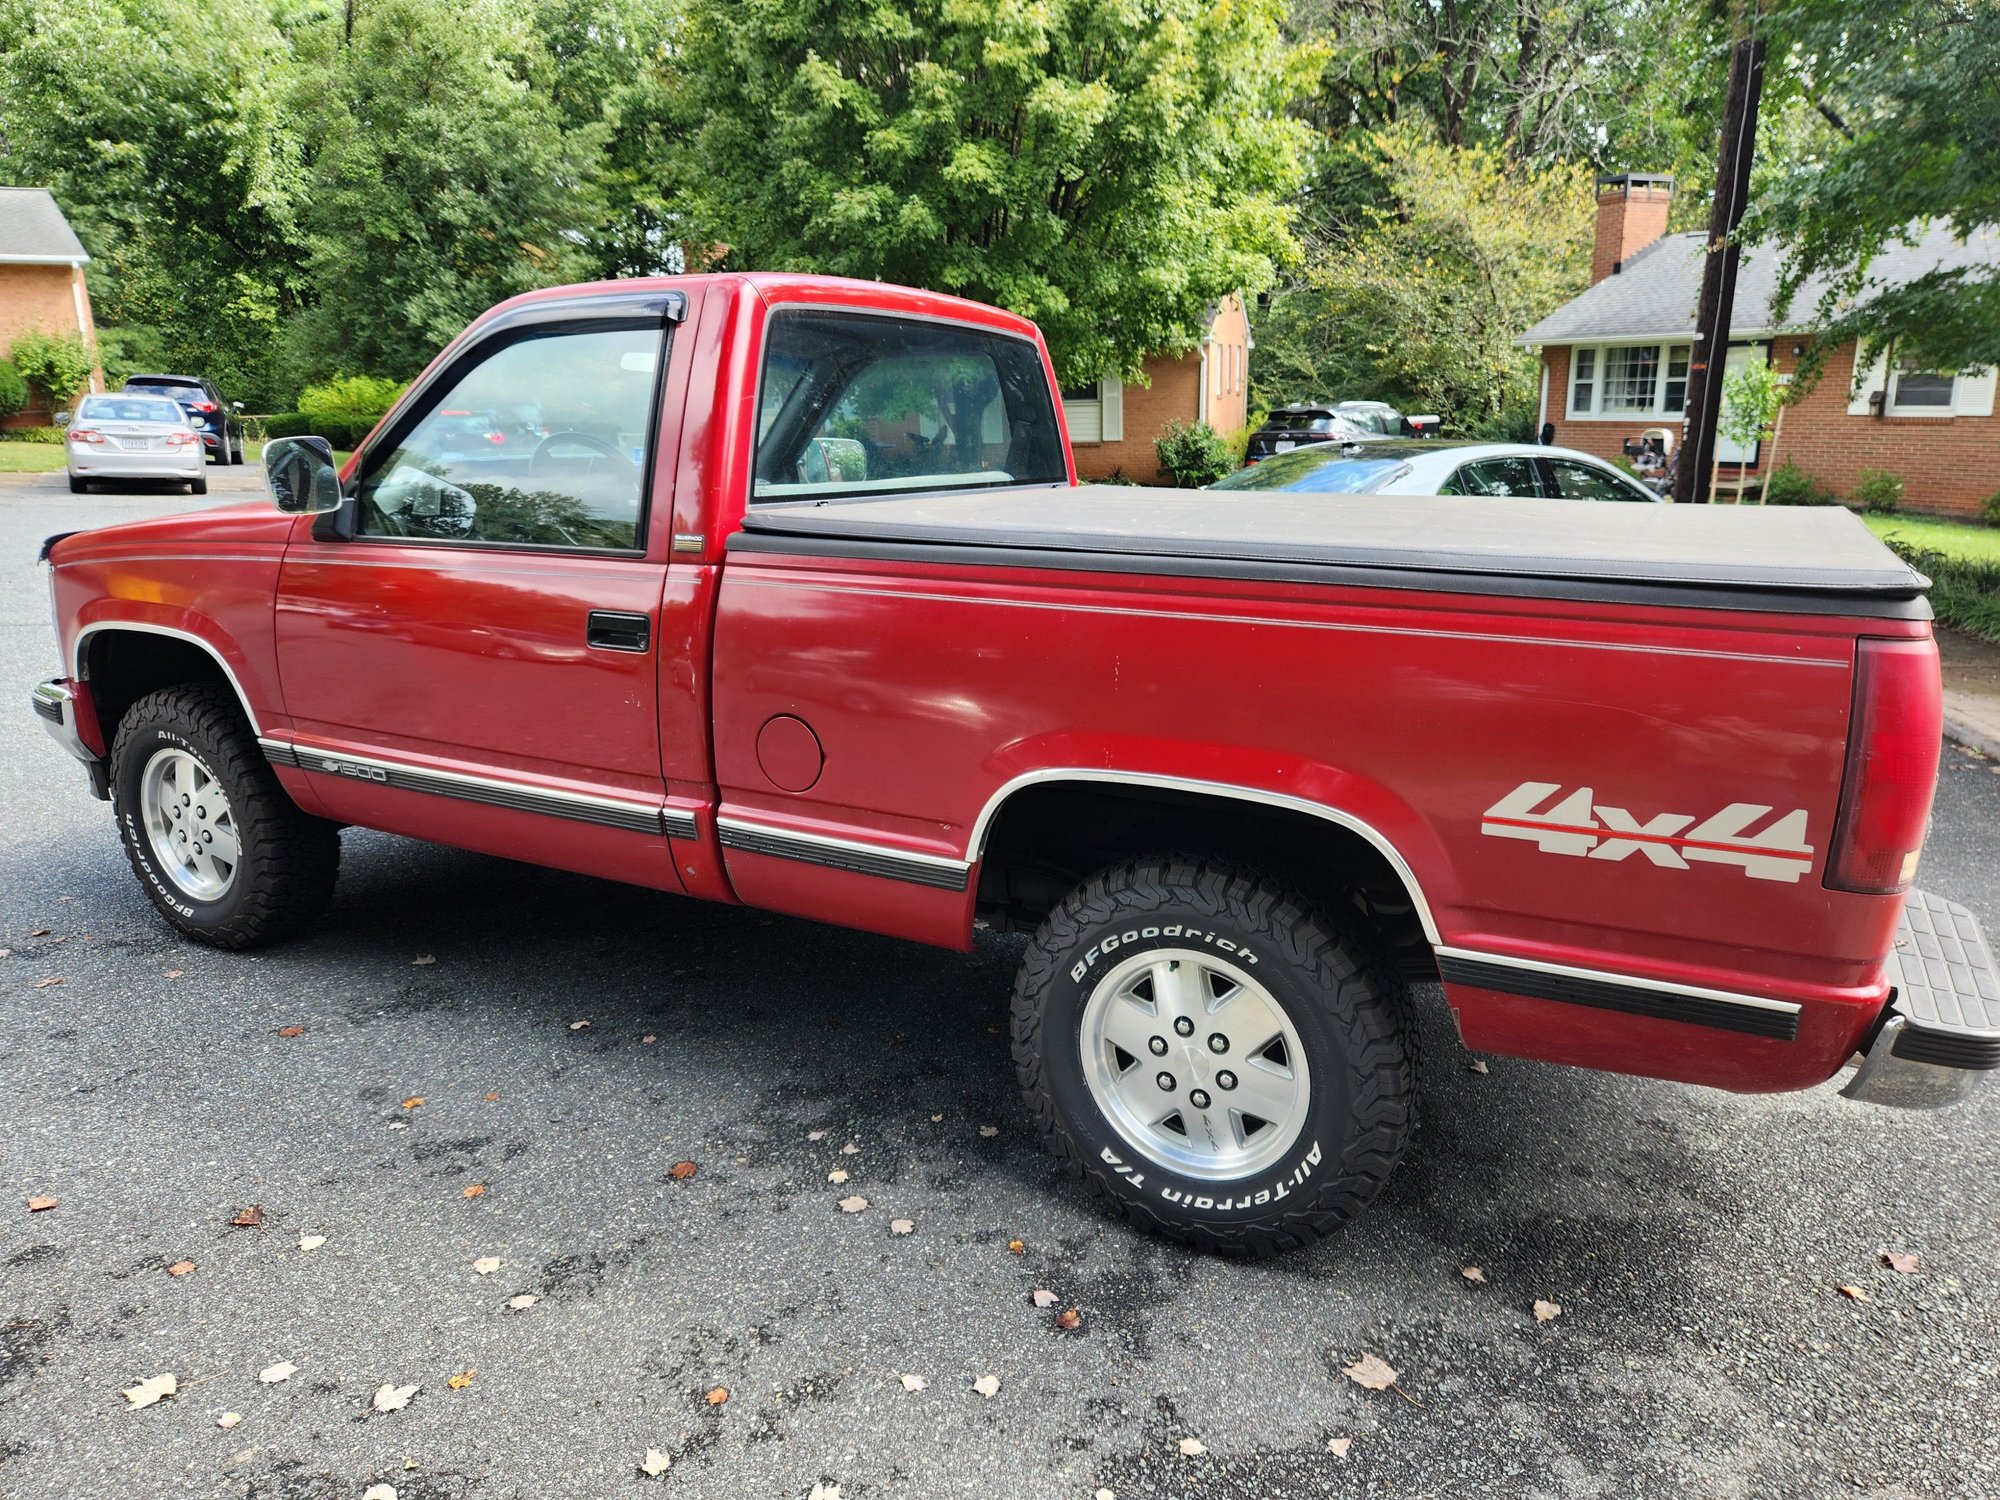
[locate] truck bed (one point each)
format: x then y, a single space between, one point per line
1817 559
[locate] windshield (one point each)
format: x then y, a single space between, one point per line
1316 471
859 405
130 409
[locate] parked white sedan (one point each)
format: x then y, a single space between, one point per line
132 437
1392 466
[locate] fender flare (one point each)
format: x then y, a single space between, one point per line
78 656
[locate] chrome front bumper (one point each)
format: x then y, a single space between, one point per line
55 706
1940 1032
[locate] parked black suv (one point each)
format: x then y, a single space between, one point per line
215 419
1305 422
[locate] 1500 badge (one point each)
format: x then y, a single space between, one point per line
1578 824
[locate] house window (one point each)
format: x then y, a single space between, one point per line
1628 380
1923 391
1094 411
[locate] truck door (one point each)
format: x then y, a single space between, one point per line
469 647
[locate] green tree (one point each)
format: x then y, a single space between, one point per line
440 181
1421 302
1110 168
58 363
155 122
1909 95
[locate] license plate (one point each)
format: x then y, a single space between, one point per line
1282 446
138 444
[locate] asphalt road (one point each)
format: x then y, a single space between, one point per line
1695 1240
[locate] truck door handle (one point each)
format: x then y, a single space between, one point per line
613 631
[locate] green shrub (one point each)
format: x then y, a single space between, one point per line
13 389
60 363
350 398
1791 485
32 435
1989 509
345 433
1193 454
1965 594
1514 425
1878 491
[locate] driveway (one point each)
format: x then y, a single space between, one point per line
562 1045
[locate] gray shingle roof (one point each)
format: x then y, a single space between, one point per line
33 230
1656 291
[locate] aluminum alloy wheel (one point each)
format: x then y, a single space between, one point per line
1194 1063
190 825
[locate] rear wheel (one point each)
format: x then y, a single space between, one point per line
78 486
198 486
221 849
236 453
1213 1056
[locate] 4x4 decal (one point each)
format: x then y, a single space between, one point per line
1579 824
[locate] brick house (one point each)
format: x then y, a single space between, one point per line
1614 361
41 282
1112 426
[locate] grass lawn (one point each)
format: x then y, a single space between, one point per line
1952 538
30 458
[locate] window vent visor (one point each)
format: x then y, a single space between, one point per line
1894 736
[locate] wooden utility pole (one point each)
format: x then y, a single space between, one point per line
1718 273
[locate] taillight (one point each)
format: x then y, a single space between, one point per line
181 439
1893 738
202 405
85 435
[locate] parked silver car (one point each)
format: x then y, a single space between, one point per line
1389 466
132 437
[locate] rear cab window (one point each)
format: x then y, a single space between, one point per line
853 405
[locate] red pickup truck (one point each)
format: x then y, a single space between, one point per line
781 590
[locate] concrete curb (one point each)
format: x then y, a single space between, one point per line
1973 720
1972 736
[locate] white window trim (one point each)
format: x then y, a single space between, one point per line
1656 412
1896 408
1972 391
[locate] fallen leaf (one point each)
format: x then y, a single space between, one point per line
394 1397
815 1135
461 1380
1853 1294
1473 1273
173 973
681 1171
648 1039
1370 1373
1192 1447
1547 1312
1338 1446
249 1218
180 1268
379 1492
40 931
850 1149
473 1191
989 1131
229 1419
49 983
936 1118
902 1226
146 1392
913 1383
824 1492
853 1205
578 1025
414 1101
278 1374
717 1396
486 1265
654 1464
1069 1321
399 1124
987 1386
1044 1297
523 1302
1899 1262
423 960
311 1241
1478 1065
41 1203
1105 1495
489 1098
1017 1247
837 1176
291 1031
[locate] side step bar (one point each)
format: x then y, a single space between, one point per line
1942 1027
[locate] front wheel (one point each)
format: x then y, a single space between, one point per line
1212 1056
224 854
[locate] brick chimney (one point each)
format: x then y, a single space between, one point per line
1631 214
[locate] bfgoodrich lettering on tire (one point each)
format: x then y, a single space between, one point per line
1210 1055
220 849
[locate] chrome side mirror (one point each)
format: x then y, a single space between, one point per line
300 475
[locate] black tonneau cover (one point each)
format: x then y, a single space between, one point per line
1820 557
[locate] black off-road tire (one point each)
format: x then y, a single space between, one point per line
198 486
78 486
1349 1009
289 859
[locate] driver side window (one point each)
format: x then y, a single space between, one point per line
544 442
